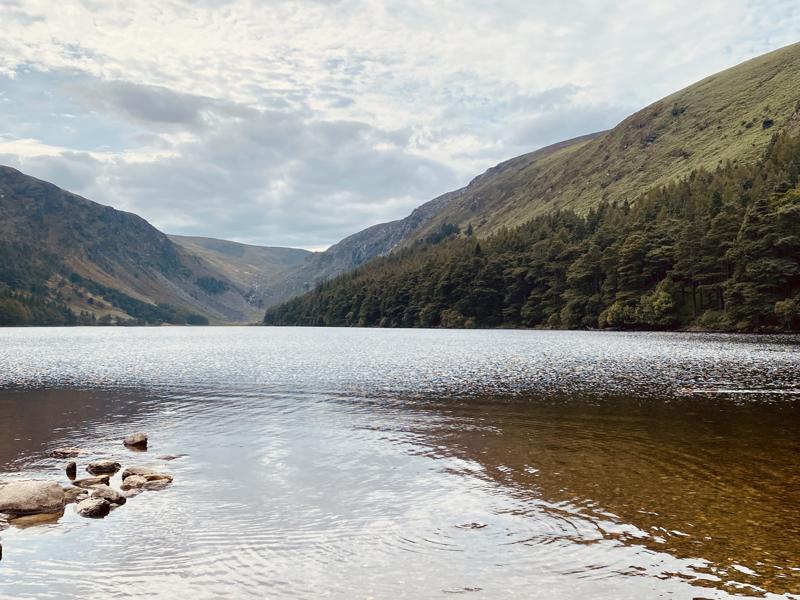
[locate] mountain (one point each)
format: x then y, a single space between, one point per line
730 116
66 259
614 229
256 269
352 251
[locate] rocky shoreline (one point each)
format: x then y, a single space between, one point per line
32 501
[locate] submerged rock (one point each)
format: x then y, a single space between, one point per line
68 452
31 497
93 508
37 519
88 482
103 466
138 439
71 469
74 494
168 457
107 493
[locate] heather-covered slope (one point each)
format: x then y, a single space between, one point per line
73 255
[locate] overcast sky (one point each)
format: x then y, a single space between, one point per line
298 123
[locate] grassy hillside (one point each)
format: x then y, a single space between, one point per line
730 116
717 250
685 214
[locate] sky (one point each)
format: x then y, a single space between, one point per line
297 123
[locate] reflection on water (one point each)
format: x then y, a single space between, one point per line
373 464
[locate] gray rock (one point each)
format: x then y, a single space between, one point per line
136 439
74 494
133 482
107 493
88 482
69 452
103 466
93 508
72 469
31 497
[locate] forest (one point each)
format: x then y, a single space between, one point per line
716 251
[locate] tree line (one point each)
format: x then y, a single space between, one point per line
717 250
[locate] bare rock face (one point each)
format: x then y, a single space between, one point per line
138 440
88 482
133 482
107 493
103 466
31 497
93 508
69 452
74 494
71 469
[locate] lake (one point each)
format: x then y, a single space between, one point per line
349 463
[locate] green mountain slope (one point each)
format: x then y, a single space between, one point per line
550 238
728 116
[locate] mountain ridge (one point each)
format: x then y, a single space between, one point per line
103 263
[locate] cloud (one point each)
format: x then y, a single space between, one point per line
299 122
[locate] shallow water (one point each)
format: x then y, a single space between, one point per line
411 464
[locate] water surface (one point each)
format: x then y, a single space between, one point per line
412 464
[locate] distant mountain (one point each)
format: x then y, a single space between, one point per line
659 222
352 251
254 269
66 259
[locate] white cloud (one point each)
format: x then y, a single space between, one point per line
299 122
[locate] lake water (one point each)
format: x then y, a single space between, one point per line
344 463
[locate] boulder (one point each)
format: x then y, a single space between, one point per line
71 469
103 466
105 492
68 452
133 482
157 484
93 508
31 497
141 471
74 494
88 482
138 439
158 477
